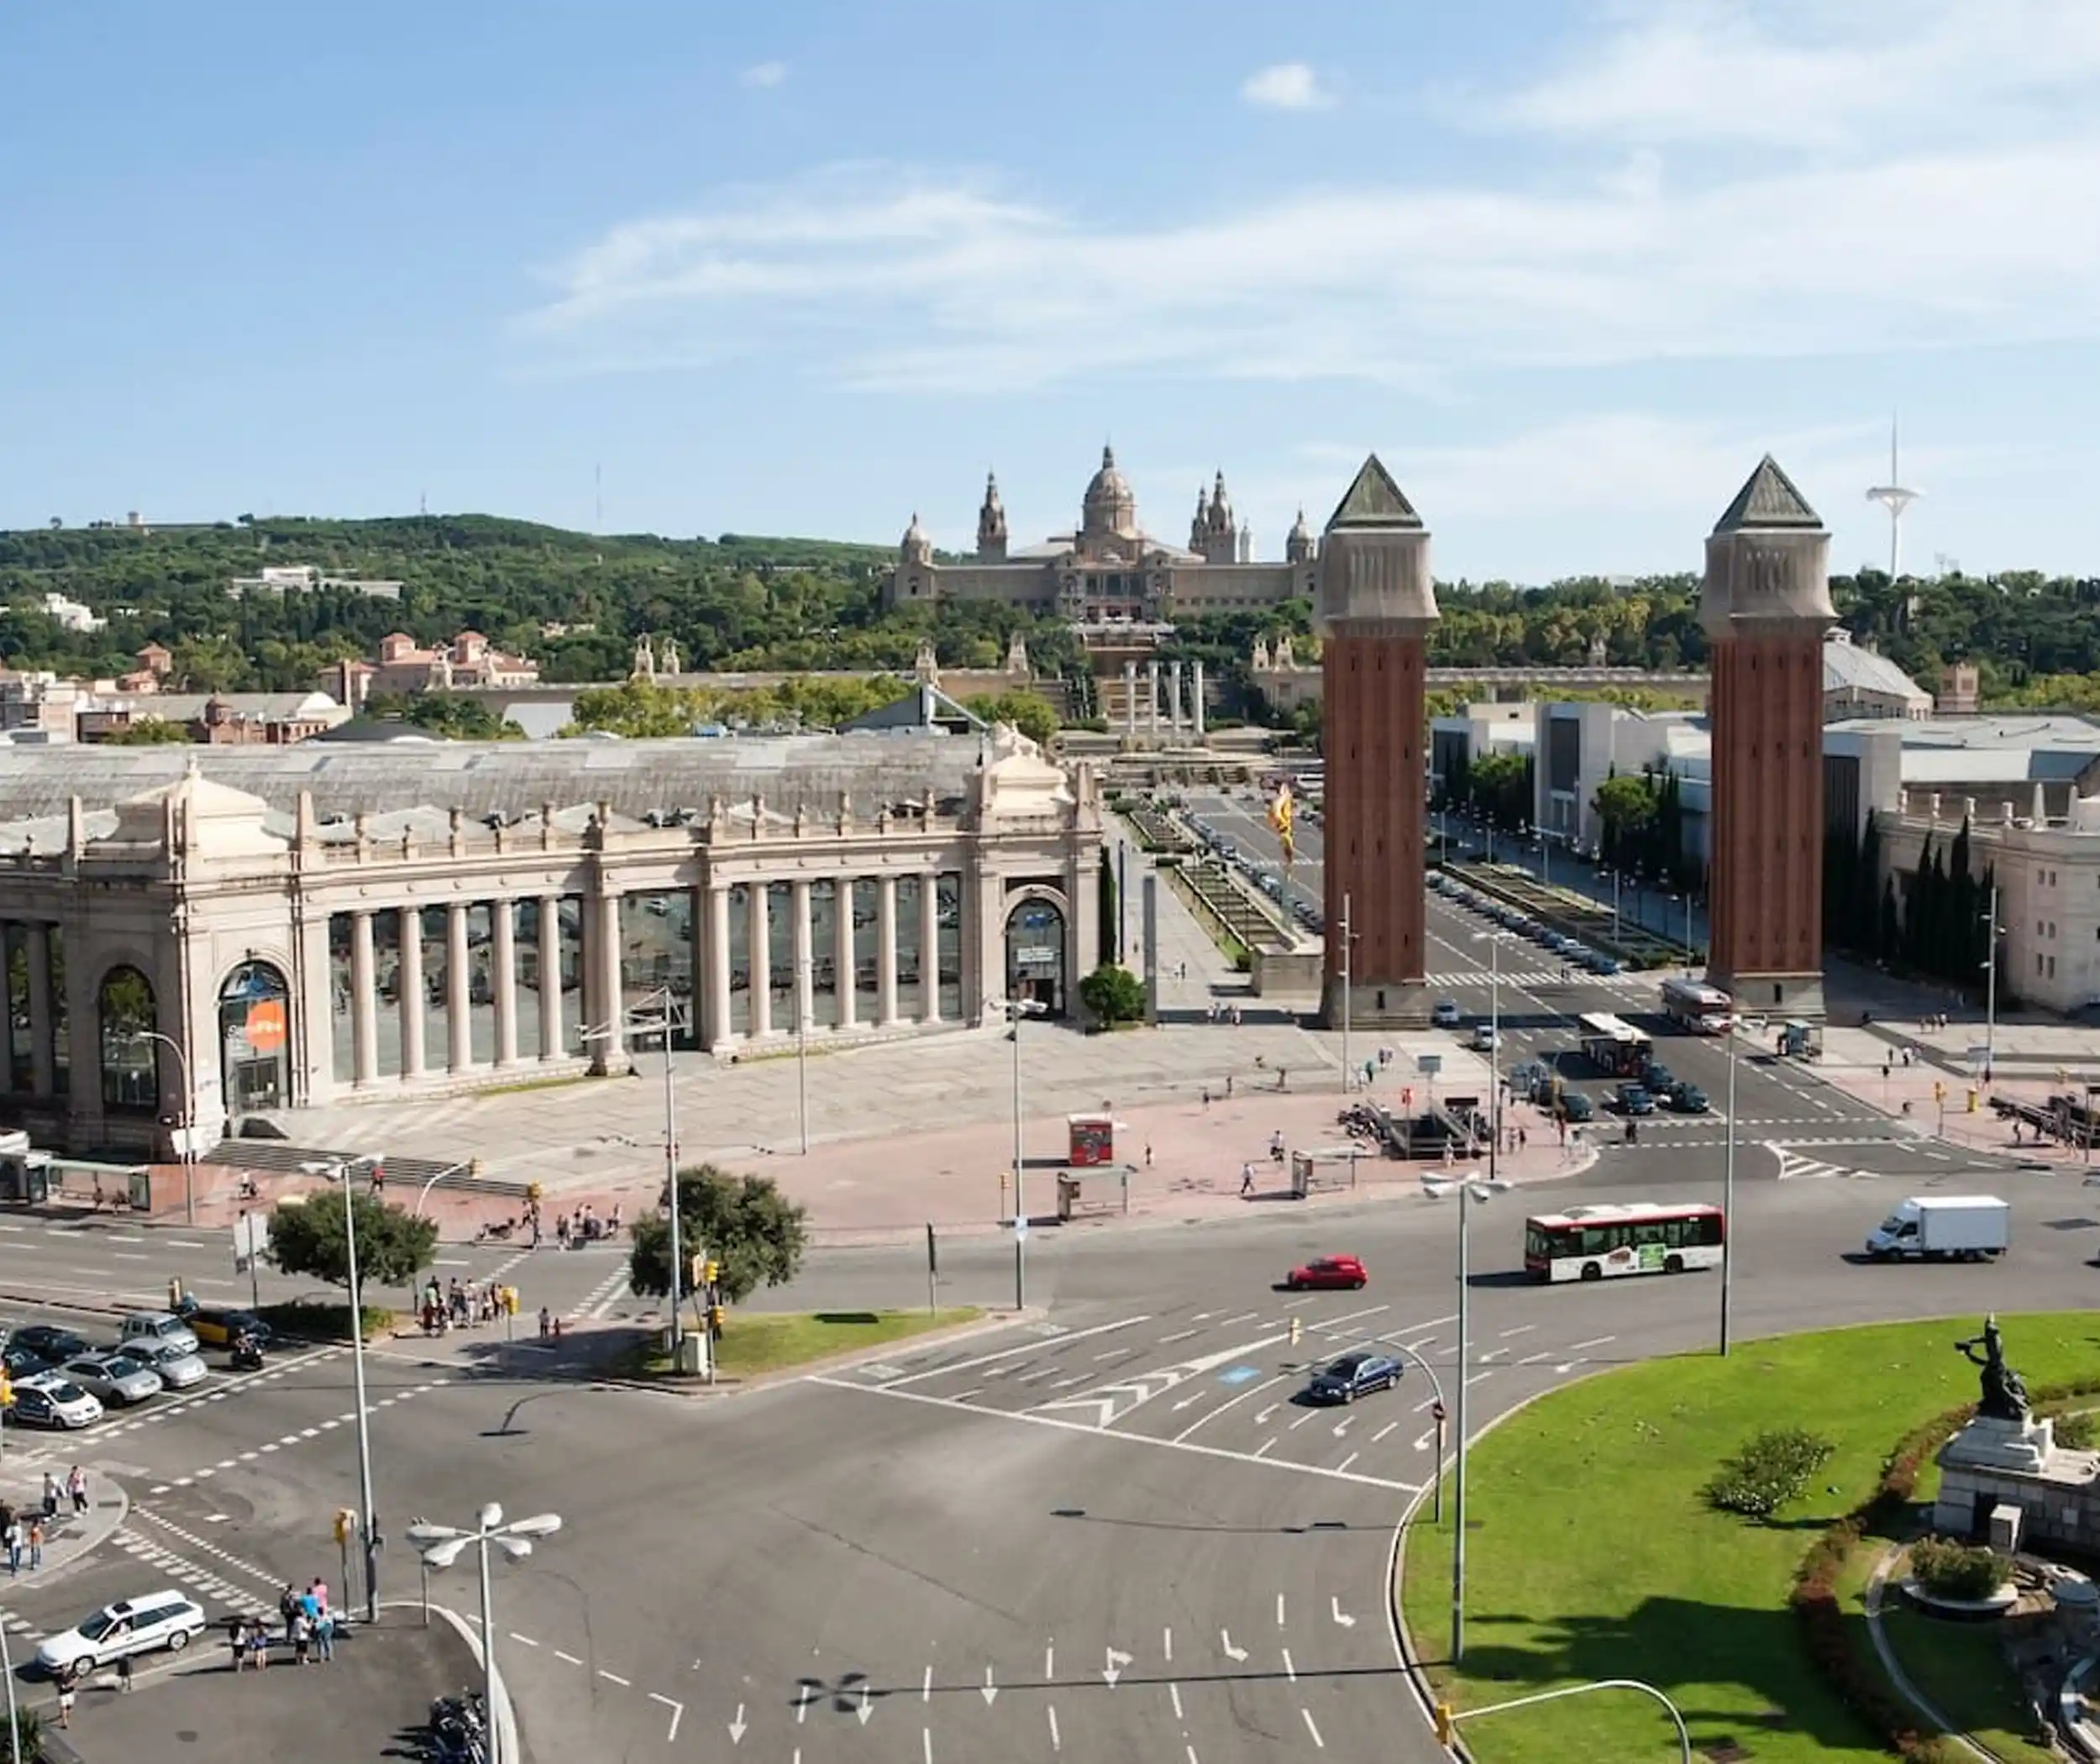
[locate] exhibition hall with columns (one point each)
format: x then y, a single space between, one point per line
203 935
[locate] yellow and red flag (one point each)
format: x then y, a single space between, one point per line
1281 811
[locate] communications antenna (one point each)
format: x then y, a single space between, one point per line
1896 499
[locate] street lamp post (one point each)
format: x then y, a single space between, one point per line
441 1546
189 1117
1989 989
1348 985
1437 1188
805 985
1614 906
1015 1009
423 1194
1728 1190
14 1715
340 1172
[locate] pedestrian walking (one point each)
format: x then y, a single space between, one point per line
50 1495
1228 1086
1246 1178
76 1486
237 1639
302 1639
123 1674
36 1543
15 1541
324 1635
1206 1096
547 1317
259 1643
66 1702
1148 1154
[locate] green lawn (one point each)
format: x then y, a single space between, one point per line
771 1341
1958 1665
1591 1556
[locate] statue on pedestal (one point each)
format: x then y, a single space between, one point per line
2003 1392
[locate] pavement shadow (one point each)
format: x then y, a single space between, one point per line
1315 1527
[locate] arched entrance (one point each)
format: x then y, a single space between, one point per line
254 1021
130 1064
1035 955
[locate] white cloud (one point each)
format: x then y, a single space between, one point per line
1805 74
763 76
1287 85
878 277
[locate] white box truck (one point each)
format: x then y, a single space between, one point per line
1955 1227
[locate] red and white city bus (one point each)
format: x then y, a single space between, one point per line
1598 1242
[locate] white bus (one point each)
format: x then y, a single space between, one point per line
1612 1045
1695 1006
1592 1242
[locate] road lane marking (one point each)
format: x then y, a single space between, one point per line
1348 1461
1263 1449
1522 1329
1166 1644
1492 1353
1116 1353
1310 1415
963 1396
1426 1403
1049 1660
1290 1670
1383 1431
615 1678
1593 1341
1317 1742
1533 1359
1341 1426
1008 1354
1213 1413
1279 1610
1340 1616
1225 1642
1326 1325
926 1687
1056 1743
1173 1692
1262 1415
1480 1378
678 1714
570 1658
524 1640
1180 1334
1245 1316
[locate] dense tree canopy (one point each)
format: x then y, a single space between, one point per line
753 1233
393 1245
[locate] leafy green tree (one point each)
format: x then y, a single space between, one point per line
149 732
1114 994
451 715
638 709
1030 712
28 1735
1625 804
745 1223
393 1246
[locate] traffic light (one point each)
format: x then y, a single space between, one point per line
696 1271
345 1523
1446 1729
715 1316
1938 1090
7 1391
711 1273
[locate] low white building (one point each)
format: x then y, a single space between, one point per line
282 579
73 615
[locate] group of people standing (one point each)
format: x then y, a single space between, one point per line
309 1629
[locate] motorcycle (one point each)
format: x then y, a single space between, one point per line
498 1232
247 1354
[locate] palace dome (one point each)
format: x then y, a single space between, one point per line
1111 505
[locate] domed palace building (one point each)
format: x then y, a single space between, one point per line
1109 574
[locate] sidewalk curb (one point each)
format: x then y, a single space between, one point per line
95 1535
502 1714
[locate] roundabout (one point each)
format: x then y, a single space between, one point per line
1597 1551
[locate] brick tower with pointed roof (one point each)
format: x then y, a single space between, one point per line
1376 604
1765 608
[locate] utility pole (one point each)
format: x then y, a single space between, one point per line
1990 992
1728 1189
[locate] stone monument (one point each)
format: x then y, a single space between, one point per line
2004 1475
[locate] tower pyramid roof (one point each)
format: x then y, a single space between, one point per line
1768 498
1374 500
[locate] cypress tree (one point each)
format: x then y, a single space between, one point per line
1890 929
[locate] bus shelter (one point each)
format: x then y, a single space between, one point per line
1094 1192
1323 1170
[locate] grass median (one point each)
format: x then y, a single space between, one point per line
762 1341
1590 1554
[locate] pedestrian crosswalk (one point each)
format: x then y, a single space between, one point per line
1628 984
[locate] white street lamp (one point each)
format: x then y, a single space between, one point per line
441 1546
340 1172
189 1115
14 1717
1469 1189
1494 940
1728 1186
1015 1009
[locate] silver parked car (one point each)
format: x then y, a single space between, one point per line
175 1369
114 1377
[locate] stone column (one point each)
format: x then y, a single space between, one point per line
6 1015
1152 697
503 957
1174 697
930 948
550 1046
363 1002
459 990
805 962
886 952
1195 701
603 953
37 955
412 1000
715 960
1130 698
758 921
845 966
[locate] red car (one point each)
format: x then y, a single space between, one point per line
1335 1273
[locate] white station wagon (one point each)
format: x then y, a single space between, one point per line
144 1625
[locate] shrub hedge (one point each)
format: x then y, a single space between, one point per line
1953 1569
1769 1471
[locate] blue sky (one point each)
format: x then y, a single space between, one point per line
1569 268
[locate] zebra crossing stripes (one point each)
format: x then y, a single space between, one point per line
1627 983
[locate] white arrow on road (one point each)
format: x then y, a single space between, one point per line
867 1706
737 1729
1117 1659
1342 1617
1224 1641
991 1690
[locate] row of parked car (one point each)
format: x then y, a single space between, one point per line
1263 874
62 1380
1568 949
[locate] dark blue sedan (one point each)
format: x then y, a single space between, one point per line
1353 1375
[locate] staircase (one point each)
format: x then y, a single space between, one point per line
273 1156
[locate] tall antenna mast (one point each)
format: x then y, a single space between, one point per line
597 480
1896 499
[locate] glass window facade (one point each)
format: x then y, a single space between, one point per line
740 960
780 902
254 1025
825 978
386 982
525 974
481 983
342 1003
437 973
909 1005
572 1022
949 901
656 952
130 1065
61 1020
21 1062
867 950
